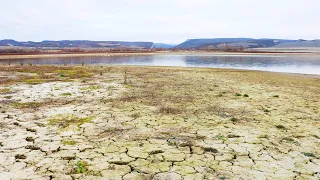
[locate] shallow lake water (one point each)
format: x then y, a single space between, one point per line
304 64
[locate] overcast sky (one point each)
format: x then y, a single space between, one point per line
169 21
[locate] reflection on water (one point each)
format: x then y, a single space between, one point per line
306 64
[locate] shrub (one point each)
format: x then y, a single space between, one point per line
308 154
81 167
234 119
220 137
280 127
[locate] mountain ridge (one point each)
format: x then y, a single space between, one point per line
202 43
244 42
77 44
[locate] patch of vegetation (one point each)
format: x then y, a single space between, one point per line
73 73
289 140
234 119
155 152
308 154
34 81
64 121
245 95
27 105
41 74
171 143
5 91
220 137
276 96
238 94
128 86
69 142
66 94
81 167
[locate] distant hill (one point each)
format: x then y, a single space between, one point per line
197 43
78 44
299 44
244 42
164 46
216 43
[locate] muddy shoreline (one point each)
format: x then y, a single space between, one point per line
131 122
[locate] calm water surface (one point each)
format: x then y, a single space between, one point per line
304 64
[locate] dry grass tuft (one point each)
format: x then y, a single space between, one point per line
27 105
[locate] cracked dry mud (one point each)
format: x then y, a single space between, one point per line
157 123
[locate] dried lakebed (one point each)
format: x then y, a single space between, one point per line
123 122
